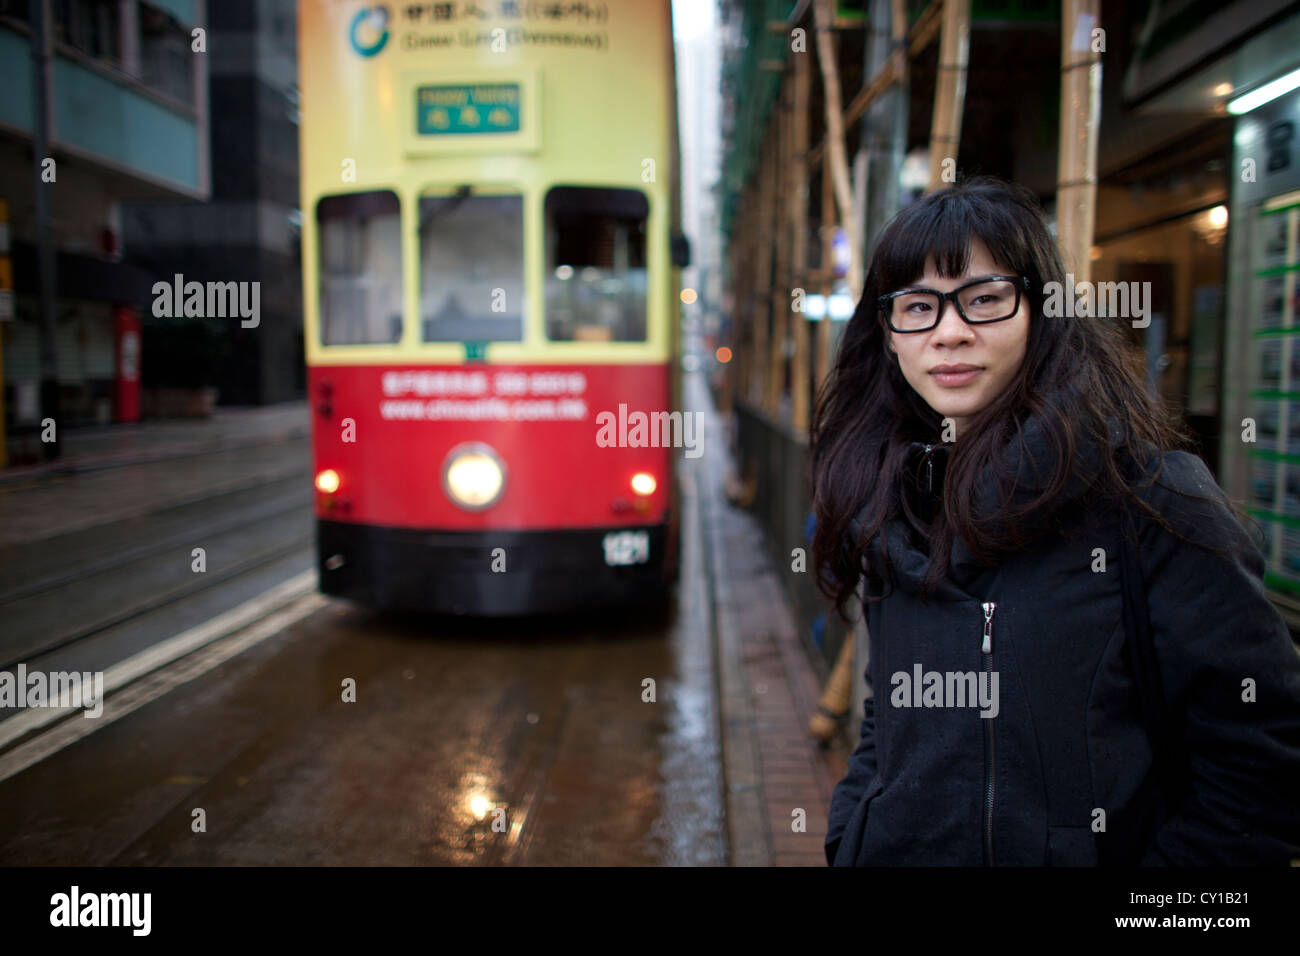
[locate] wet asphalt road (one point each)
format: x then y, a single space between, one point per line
523 742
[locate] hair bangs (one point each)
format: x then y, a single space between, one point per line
942 232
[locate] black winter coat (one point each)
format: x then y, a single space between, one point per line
1062 774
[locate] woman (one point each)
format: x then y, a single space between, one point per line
1072 656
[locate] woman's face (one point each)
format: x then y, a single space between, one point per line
959 368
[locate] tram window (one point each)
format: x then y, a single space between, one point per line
472 268
595 264
360 268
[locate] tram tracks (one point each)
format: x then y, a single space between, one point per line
154 547
54 611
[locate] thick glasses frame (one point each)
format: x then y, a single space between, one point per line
1019 283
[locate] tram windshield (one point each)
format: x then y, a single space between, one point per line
472 267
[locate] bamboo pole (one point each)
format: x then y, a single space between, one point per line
827 273
780 221
949 90
835 136
754 302
898 33
1076 176
762 275
792 185
882 81
926 26
732 375
776 283
744 295
799 241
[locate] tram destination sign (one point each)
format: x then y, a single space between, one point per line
469 108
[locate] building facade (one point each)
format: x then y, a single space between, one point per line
126 121
247 231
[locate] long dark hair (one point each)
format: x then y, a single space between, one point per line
1079 378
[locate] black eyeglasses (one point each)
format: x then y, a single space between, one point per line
990 299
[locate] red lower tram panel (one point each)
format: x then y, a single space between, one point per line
496 490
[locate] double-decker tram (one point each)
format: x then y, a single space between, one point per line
490 262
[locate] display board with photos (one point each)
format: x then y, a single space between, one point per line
1274 474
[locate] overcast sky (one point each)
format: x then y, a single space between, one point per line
692 17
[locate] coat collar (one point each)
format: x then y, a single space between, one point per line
1030 458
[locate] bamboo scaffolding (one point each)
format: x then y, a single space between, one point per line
917 39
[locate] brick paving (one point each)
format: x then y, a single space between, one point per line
768 713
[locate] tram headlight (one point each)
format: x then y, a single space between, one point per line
327 481
643 483
473 476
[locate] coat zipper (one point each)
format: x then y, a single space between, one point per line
986 650
929 469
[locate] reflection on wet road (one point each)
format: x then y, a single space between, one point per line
525 742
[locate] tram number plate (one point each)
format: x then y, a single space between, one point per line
626 547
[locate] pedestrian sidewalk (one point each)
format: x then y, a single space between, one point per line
769 691
94 447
